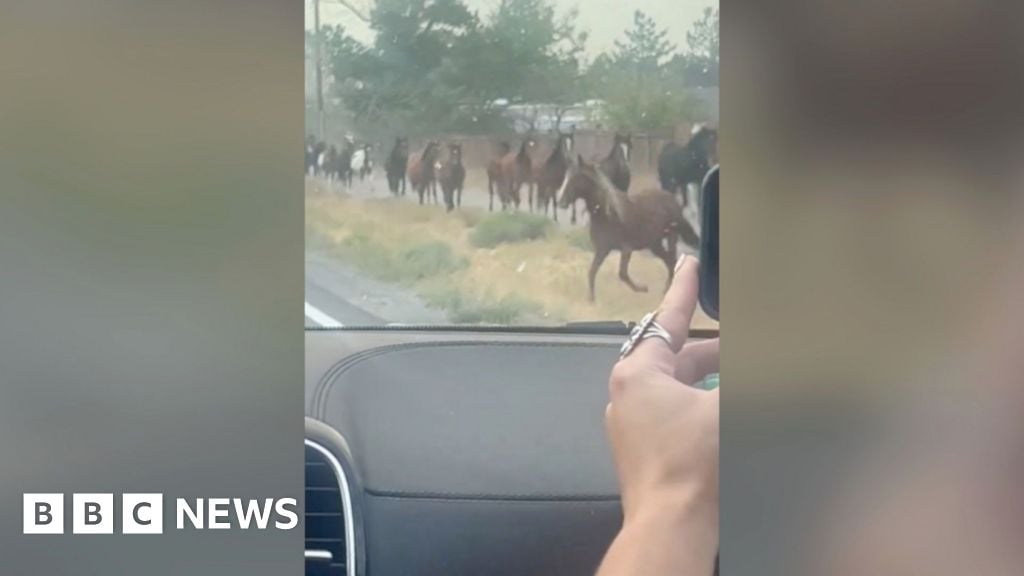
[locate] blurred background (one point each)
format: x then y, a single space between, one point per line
151 273
871 253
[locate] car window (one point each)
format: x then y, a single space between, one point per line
473 161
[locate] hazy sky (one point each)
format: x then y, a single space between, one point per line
606 20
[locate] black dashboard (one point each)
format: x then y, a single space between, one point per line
459 453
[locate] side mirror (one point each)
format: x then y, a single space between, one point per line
709 264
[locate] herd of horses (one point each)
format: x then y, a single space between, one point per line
339 163
619 218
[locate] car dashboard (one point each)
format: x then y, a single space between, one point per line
457 452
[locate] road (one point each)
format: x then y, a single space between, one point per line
338 296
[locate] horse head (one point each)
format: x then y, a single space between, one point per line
529 142
455 153
430 153
582 182
622 146
567 142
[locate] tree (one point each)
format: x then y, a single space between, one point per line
644 49
700 65
396 83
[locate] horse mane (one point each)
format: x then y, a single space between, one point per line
612 200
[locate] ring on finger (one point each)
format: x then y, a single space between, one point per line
648 327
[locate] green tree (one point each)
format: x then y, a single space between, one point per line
397 83
700 65
645 47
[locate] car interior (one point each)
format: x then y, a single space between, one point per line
458 451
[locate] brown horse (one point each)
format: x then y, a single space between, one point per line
495 172
423 171
550 175
514 170
646 220
452 176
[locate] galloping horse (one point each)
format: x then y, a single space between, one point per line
494 171
422 171
327 162
362 162
452 176
646 220
343 164
396 165
515 169
681 166
550 175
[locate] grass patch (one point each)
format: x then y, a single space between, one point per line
405 267
428 260
463 309
509 228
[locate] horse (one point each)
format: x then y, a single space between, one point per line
616 165
452 176
494 171
396 166
515 170
362 162
327 162
422 171
343 164
681 166
650 219
550 175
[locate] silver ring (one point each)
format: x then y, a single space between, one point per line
648 327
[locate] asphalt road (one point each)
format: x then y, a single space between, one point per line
338 296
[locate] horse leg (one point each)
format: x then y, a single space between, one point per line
595 265
624 271
490 191
572 220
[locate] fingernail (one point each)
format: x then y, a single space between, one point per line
679 263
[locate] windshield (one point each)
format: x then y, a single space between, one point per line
509 162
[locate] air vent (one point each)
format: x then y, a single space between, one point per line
326 518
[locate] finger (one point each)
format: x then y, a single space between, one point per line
697 360
675 315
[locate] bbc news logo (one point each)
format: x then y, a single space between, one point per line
144 514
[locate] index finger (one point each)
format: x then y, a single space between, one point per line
675 315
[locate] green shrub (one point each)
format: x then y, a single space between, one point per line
430 259
509 227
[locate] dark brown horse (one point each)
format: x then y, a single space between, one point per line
680 167
494 171
423 171
515 170
396 166
452 176
645 220
550 175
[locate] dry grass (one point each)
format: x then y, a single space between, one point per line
550 273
